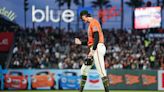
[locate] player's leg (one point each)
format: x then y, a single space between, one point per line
100 66
84 72
105 83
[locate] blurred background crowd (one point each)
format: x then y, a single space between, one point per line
46 47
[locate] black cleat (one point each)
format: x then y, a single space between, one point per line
106 83
82 83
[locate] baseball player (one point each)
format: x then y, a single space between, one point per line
97 50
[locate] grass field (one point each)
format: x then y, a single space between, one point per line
77 91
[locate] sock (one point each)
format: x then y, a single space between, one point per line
82 83
105 83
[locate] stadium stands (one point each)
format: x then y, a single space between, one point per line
53 48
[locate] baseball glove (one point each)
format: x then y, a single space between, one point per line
88 61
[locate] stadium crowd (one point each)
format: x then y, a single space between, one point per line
53 48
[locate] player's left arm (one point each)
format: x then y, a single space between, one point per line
96 37
96 40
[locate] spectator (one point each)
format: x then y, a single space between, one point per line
46 48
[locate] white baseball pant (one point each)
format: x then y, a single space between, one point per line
98 61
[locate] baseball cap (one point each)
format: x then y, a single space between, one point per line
84 12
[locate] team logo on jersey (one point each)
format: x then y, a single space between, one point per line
95 28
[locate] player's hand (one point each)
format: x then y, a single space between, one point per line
91 53
78 41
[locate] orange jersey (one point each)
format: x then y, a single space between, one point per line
94 26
